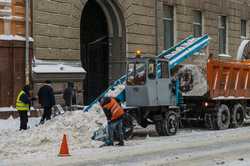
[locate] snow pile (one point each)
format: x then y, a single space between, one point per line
78 126
114 92
95 107
193 80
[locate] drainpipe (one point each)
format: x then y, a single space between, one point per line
156 27
27 67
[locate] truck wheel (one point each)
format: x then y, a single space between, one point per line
169 125
238 115
222 117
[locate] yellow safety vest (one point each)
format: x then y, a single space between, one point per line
21 106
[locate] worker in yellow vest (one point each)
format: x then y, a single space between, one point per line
23 104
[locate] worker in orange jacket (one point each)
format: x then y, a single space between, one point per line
114 113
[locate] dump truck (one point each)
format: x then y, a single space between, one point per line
227 99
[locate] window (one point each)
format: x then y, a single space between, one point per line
164 72
151 69
136 73
243 28
197 24
222 34
168 21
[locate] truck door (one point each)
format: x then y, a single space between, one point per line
151 83
163 83
136 89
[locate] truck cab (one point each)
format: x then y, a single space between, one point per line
150 98
149 82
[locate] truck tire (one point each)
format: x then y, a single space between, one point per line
169 125
237 116
222 117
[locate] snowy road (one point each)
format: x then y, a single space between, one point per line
188 147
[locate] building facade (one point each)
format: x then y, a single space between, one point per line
102 33
12 49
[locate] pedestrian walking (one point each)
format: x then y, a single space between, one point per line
69 96
23 104
47 100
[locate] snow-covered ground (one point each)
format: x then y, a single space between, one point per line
40 145
46 138
13 124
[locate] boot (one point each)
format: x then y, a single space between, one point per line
41 122
105 144
120 144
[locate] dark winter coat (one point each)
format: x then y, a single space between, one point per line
46 96
25 97
69 96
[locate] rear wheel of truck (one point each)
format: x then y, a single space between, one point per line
237 116
169 125
222 117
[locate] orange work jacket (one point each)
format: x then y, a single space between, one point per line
116 110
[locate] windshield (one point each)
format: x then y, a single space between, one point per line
136 73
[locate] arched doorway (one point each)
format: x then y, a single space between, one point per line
102 46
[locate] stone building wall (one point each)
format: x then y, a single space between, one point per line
56 30
211 10
56 25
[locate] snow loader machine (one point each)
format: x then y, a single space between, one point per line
150 98
151 94
152 90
